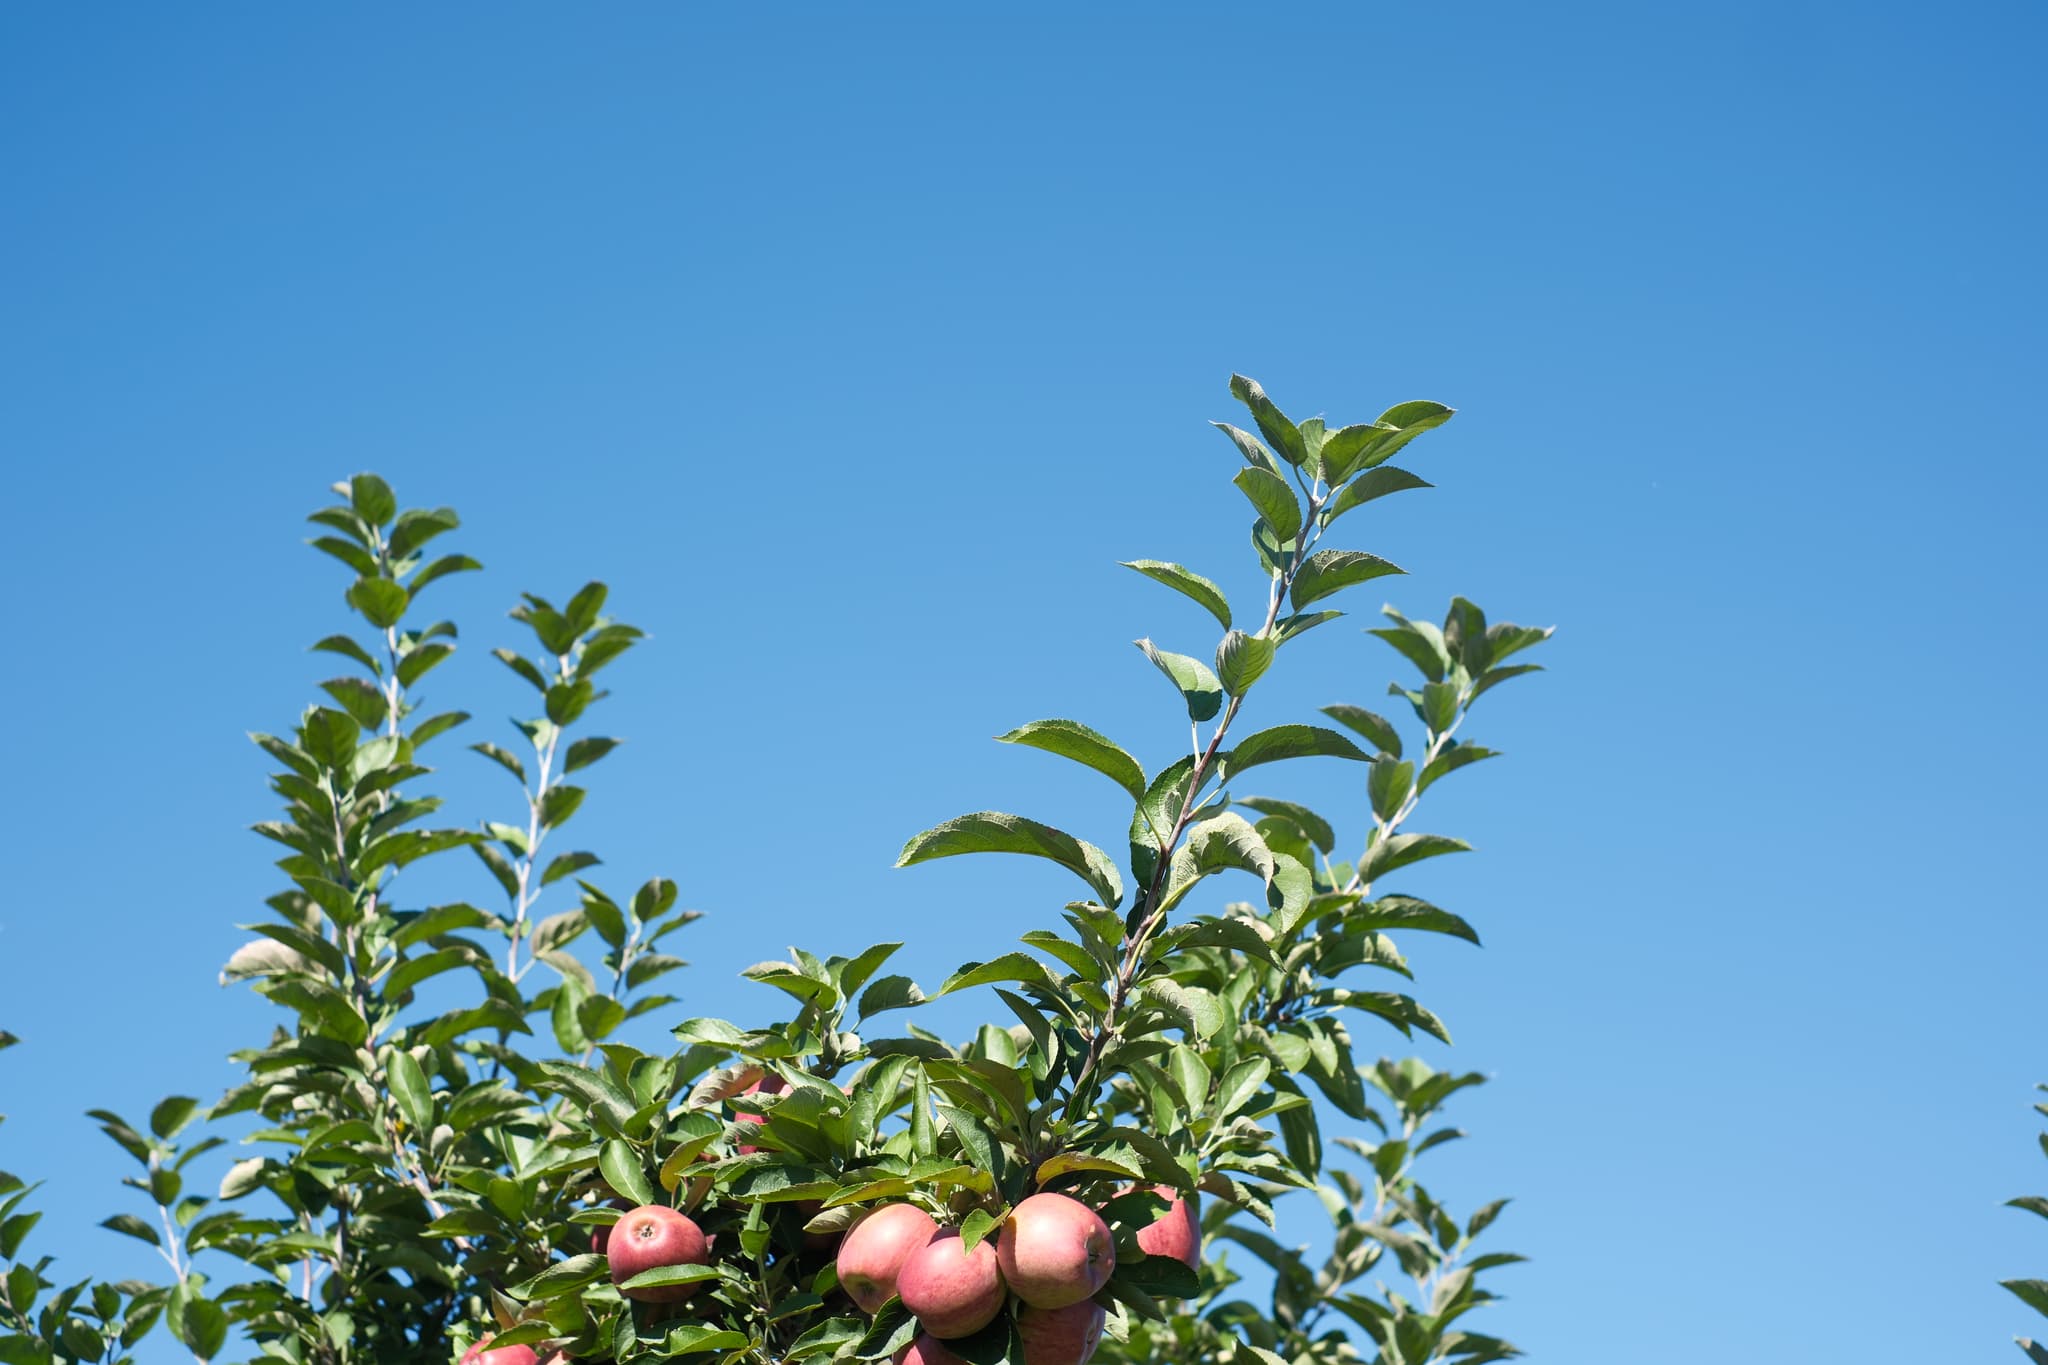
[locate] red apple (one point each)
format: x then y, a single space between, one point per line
650 1237
876 1248
479 1354
926 1349
1054 1251
954 1292
1060 1336
1178 1231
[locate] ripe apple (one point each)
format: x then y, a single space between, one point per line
652 1236
1060 1336
926 1349
1054 1251
480 1354
1178 1231
876 1248
953 1291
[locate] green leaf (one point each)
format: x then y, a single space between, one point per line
854 973
202 1325
1009 967
440 569
1406 912
329 737
374 503
564 1277
171 1115
381 601
133 1226
349 553
423 658
1376 483
889 993
347 648
566 701
322 1009
1419 641
1302 1138
1274 557
1495 677
523 666
1354 448
1402 849
1287 627
977 1225
1372 725
1329 571
1199 1011
437 725
1239 1086
1274 500
1248 446
559 803
1242 660
1289 741
1071 739
1198 686
568 863
995 832
410 1088
1454 757
503 758
583 608
1067 1163
625 1172
1186 581
1228 840
585 752
1388 784
1153 820
1282 435
1314 826
690 1339
1162 1277
243 1177
418 525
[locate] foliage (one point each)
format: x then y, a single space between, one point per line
428 1170
2033 1293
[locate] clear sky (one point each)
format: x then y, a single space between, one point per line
854 344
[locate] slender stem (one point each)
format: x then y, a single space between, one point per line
527 893
1136 941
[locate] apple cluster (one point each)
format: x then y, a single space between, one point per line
1052 1255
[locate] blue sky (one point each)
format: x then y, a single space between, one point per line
854 346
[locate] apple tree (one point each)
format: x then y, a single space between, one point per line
452 1151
